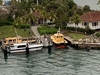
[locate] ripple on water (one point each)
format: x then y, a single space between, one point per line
60 62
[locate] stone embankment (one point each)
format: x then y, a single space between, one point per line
91 42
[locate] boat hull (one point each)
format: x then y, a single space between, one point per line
23 50
60 45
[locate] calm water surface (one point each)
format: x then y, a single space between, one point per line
60 62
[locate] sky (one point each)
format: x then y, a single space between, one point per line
92 3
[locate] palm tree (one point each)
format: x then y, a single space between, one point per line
75 19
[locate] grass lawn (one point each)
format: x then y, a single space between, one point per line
75 36
9 31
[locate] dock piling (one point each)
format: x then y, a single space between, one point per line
27 49
5 53
49 49
87 48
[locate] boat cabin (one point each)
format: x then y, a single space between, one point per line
17 40
58 37
12 40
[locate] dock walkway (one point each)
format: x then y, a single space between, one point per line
35 31
46 41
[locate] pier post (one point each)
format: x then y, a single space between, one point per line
49 49
27 49
5 53
87 48
76 46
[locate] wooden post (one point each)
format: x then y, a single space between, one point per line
27 49
87 48
5 53
49 49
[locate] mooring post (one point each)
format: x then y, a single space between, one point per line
87 48
5 53
77 46
49 49
27 49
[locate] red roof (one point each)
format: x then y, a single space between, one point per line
37 14
91 17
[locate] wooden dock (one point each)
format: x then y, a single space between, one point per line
89 45
82 45
46 41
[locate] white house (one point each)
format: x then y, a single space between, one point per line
90 19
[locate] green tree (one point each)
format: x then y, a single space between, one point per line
71 12
79 11
86 8
71 4
60 14
52 6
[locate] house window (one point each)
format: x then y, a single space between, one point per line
85 23
94 23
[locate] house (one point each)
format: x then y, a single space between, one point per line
40 18
90 19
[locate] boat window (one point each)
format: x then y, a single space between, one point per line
9 41
21 46
14 40
5 41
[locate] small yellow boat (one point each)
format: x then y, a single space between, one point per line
59 41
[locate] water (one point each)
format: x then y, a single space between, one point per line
60 62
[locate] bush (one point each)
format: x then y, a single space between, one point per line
46 30
88 31
50 23
2 23
71 28
22 26
97 34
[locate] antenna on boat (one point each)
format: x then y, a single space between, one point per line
58 30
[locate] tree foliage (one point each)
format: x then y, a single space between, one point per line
60 11
86 8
